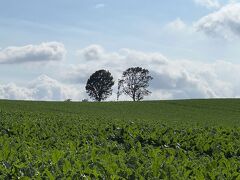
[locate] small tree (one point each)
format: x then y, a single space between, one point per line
99 85
134 83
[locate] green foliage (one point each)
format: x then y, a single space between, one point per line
99 85
134 83
146 140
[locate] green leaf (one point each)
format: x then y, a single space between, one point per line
66 166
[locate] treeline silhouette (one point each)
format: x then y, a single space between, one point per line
134 83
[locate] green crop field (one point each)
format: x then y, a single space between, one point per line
185 139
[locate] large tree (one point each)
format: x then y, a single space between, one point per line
134 83
99 85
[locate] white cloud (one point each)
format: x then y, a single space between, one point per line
92 52
12 91
100 5
172 78
50 51
95 57
42 88
225 22
176 25
208 3
98 53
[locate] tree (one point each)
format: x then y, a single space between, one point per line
134 83
99 85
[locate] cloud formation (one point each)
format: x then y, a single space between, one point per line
224 23
44 52
176 25
42 88
92 52
208 3
173 79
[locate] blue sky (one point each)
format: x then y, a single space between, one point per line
193 31
114 24
74 21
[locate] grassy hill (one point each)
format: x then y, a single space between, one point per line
213 112
185 139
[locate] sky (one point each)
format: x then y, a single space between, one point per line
49 48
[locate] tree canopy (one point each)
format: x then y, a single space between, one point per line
99 85
134 83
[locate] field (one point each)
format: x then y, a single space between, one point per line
185 139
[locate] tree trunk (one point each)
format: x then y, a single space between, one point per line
134 99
